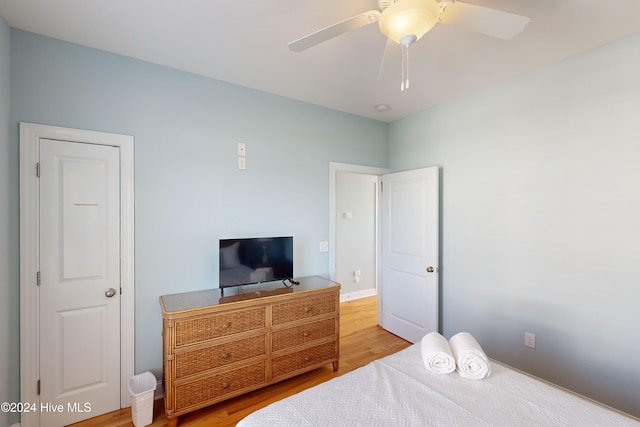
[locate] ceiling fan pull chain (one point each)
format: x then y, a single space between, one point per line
405 68
406 85
402 70
405 42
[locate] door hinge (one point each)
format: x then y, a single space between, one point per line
38 169
381 185
38 388
38 278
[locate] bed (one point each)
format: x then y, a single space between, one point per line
398 391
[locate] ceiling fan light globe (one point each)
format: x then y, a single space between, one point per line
408 17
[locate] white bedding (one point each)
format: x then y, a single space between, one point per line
399 391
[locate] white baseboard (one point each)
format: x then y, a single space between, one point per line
357 295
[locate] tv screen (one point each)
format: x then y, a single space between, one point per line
255 260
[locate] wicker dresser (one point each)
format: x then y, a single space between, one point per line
219 346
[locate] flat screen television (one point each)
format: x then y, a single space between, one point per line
255 260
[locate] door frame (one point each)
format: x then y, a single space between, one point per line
334 168
30 135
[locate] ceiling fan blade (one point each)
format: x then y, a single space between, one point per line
491 22
334 30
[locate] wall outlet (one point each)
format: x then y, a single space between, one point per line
529 340
324 246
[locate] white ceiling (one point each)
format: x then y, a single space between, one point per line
245 42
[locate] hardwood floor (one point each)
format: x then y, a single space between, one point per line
361 341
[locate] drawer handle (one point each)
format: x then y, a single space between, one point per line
225 355
225 385
226 325
306 358
305 334
307 309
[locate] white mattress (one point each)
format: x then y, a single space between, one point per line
398 391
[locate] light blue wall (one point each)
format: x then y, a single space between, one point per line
188 190
541 218
9 232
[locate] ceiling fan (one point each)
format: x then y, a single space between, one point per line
406 21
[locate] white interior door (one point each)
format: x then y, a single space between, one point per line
410 245
80 281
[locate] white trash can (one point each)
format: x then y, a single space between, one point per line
142 388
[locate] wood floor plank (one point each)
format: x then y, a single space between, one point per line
361 341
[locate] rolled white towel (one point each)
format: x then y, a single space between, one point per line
436 354
471 360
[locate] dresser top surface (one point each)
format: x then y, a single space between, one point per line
216 297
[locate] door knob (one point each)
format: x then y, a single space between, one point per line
432 270
110 292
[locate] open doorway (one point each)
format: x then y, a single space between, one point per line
407 301
354 228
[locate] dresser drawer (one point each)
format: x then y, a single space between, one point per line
218 325
304 308
200 360
301 359
217 386
292 337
